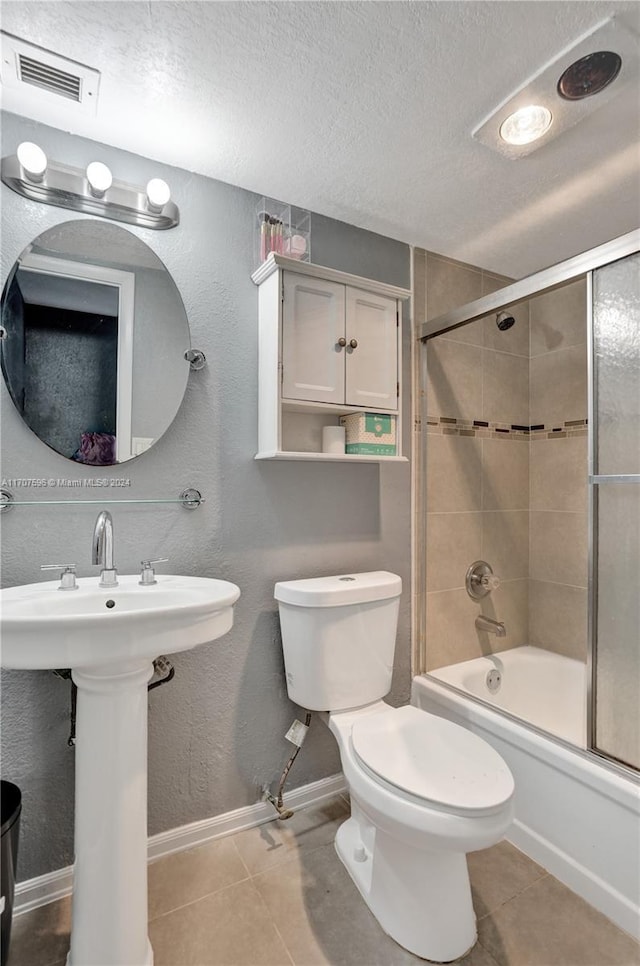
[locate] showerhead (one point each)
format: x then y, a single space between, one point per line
504 321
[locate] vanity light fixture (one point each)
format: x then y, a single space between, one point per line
92 191
33 160
158 194
99 177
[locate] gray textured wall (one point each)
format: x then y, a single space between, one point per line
216 733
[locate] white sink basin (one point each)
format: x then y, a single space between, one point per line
44 627
109 637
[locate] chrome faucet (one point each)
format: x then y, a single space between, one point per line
103 550
492 627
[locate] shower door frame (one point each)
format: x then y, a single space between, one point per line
579 266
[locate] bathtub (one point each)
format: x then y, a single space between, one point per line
540 687
575 814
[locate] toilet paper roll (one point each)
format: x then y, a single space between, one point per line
333 439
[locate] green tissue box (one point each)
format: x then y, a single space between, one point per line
370 434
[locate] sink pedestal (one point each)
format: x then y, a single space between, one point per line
110 870
109 638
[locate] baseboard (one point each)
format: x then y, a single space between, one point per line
36 892
43 889
579 879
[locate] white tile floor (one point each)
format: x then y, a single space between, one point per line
279 895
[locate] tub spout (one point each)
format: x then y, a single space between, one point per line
492 627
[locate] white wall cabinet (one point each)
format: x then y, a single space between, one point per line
313 323
329 345
372 377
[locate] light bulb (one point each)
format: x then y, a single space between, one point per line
99 177
32 159
526 125
158 193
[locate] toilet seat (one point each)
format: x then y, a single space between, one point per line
432 760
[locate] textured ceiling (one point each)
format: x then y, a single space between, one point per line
362 111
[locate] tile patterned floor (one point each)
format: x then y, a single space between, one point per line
278 896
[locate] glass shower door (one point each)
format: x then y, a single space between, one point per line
615 502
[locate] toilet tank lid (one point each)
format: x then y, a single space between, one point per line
340 590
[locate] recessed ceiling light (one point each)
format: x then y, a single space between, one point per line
526 125
589 75
587 66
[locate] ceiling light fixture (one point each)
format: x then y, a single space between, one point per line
92 191
33 160
589 75
526 125
99 177
564 87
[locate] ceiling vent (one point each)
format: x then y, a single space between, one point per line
49 78
37 73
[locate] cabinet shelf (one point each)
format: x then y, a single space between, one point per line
329 457
330 409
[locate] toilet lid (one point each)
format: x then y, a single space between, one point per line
433 759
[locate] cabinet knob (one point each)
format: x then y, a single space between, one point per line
342 342
354 343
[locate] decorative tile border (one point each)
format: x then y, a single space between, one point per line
482 429
571 427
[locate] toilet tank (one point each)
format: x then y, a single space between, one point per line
338 638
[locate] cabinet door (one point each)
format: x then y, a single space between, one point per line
312 323
372 366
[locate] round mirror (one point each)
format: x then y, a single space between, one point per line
94 335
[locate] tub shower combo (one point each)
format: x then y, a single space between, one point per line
529 440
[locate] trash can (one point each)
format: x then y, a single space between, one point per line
10 806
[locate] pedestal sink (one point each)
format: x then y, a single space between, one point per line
109 638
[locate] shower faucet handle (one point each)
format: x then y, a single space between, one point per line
480 580
490 582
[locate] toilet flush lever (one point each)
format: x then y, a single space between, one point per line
148 574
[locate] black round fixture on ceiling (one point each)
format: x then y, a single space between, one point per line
589 75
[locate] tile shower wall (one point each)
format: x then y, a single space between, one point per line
495 489
558 469
477 488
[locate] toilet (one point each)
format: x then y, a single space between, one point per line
424 791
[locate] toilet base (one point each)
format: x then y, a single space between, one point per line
421 899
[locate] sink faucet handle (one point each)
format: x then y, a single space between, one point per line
67 575
148 574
